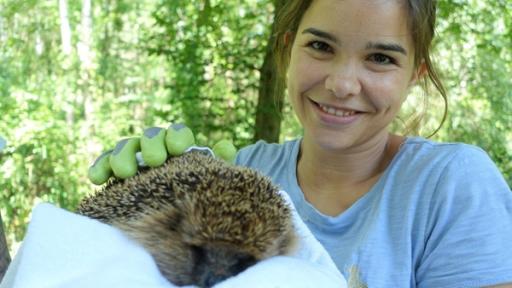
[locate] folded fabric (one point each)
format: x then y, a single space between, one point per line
63 249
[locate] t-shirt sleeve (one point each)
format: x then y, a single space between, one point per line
268 158
468 235
245 156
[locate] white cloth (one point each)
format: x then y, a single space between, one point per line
62 249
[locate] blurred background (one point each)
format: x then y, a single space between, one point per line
76 76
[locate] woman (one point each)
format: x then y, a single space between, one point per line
402 211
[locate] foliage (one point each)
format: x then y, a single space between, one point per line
56 115
214 49
156 62
477 61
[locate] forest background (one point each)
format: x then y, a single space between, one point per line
76 76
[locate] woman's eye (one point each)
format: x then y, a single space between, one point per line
319 46
382 59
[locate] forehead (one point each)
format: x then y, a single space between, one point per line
368 18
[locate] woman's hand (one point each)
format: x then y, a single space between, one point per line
151 149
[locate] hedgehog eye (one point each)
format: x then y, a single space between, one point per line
199 253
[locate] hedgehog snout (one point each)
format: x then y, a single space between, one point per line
212 278
216 264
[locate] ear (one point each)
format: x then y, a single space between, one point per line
418 74
287 38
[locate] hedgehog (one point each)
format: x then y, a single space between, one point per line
202 219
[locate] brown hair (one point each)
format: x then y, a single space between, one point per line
422 18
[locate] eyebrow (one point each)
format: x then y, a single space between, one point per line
371 45
321 34
387 47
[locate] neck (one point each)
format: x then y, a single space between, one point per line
348 166
332 180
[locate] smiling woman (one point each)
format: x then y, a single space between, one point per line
333 60
401 209
420 21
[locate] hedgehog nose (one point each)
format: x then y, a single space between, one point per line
213 278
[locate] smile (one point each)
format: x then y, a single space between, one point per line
335 111
336 116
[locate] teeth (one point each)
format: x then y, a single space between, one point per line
336 112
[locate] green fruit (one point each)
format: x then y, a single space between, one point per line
122 159
178 139
100 171
153 148
226 150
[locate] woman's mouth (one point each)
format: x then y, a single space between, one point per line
336 111
335 115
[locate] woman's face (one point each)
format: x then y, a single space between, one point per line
350 69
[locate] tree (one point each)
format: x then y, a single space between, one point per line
5 258
214 57
474 52
270 96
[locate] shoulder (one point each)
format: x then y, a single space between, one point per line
454 179
263 154
433 148
449 159
442 174
463 196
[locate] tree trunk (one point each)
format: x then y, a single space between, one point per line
3 32
65 29
85 56
85 42
5 259
65 35
270 101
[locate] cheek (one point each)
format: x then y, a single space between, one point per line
303 73
387 93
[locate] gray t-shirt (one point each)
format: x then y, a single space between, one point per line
439 216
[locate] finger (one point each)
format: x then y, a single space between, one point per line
178 139
152 145
122 159
226 150
100 170
140 161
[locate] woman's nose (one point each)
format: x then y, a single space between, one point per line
343 80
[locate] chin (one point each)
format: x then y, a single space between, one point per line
329 140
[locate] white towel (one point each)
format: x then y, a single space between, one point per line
63 249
